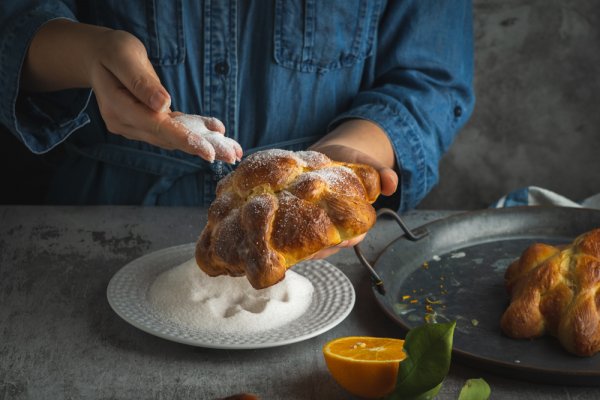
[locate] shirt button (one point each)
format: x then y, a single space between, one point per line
457 111
222 68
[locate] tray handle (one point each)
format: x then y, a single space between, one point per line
410 235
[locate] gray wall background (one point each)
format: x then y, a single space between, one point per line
537 115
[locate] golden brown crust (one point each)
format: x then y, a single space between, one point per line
278 208
371 184
557 291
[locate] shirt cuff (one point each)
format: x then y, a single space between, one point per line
39 120
408 150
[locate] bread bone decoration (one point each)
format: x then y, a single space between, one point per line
279 207
557 291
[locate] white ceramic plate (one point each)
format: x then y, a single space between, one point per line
332 301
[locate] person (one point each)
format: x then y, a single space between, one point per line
387 83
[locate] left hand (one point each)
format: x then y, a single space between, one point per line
345 153
359 141
334 249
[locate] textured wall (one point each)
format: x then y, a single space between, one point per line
537 116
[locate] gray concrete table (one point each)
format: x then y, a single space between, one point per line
59 339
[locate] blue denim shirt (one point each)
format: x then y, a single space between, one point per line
278 73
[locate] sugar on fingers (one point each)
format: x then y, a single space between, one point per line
206 136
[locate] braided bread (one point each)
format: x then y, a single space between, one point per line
557 291
279 207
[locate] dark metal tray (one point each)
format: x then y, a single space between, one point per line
455 271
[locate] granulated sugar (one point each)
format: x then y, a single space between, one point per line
223 304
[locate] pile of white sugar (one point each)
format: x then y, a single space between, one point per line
187 296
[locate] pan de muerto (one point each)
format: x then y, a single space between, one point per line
279 207
557 291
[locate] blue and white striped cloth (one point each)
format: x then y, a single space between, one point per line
537 196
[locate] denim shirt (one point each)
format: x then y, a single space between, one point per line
278 73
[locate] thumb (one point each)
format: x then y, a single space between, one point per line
137 74
389 181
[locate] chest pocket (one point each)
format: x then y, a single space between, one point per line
157 23
312 35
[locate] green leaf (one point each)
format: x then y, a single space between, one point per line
475 389
428 395
429 350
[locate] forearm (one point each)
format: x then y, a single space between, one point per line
60 56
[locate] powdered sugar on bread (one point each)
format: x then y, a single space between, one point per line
286 206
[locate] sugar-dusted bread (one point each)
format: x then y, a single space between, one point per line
557 291
279 207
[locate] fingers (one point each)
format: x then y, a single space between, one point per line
334 249
325 253
389 178
226 149
352 242
389 181
200 135
210 123
188 142
238 151
214 124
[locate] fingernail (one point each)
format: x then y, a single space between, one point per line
159 102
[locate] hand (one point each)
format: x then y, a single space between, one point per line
334 249
206 135
359 141
340 152
132 101
134 104
388 177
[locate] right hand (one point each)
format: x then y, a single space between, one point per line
65 54
134 104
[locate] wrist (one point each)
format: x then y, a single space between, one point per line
95 43
61 56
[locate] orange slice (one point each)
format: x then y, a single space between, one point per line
365 366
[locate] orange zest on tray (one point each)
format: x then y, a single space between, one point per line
365 366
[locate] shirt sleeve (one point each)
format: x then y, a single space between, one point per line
39 120
420 90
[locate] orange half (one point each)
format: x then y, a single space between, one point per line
365 366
